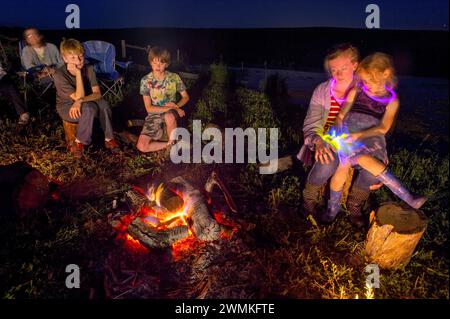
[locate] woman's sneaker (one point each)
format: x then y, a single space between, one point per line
24 118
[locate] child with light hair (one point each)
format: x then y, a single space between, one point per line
79 99
366 116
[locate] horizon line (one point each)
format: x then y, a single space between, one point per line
231 28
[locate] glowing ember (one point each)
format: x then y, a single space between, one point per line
164 226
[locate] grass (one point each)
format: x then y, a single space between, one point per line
284 256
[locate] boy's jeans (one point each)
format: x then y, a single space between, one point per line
89 111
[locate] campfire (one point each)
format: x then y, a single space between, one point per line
164 214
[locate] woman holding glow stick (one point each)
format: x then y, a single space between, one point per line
367 115
340 62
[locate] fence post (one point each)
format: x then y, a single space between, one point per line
265 69
124 49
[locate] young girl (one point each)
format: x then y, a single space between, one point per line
159 89
367 115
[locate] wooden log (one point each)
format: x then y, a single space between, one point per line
170 200
204 226
395 231
70 131
151 237
136 200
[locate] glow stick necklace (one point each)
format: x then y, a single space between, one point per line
385 100
333 84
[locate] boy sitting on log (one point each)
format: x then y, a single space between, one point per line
79 100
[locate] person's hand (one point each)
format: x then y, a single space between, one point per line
323 154
171 105
180 112
51 70
352 137
75 110
72 68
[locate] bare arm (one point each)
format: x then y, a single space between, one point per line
152 108
75 110
385 125
184 99
96 94
79 88
346 107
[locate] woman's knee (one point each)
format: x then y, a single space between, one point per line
321 173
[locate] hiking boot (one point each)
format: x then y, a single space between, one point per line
76 149
113 146
24 118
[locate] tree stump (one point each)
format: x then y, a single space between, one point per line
70 131
394 234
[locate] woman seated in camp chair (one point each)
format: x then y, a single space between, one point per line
159 90
39 56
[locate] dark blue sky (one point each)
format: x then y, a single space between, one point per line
396 14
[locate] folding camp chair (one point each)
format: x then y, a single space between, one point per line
36 86
103 56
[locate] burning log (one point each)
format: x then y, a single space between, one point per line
155 238
394 234
135 199
204 226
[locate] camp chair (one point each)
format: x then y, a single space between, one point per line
103 56
30 84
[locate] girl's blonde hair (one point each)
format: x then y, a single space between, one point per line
71 46
339 50
380 67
